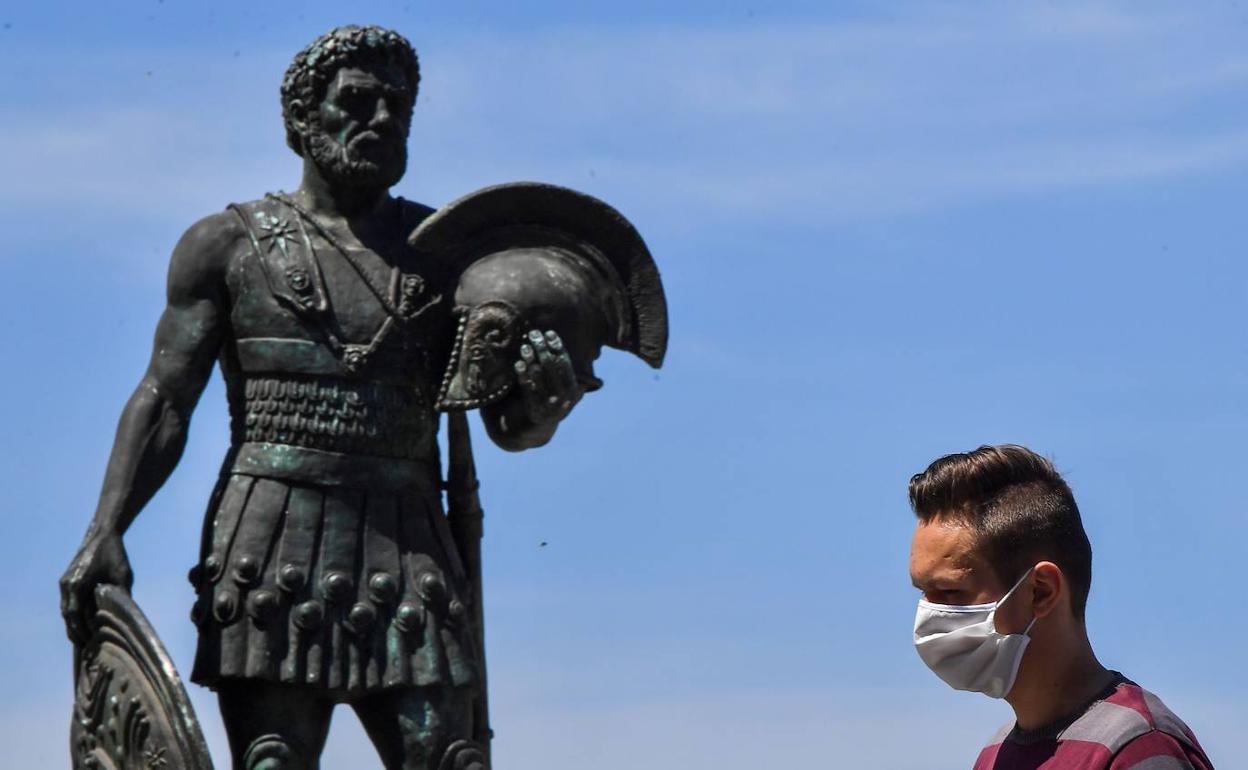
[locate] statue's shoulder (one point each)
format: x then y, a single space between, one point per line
216 232
204 253
413 214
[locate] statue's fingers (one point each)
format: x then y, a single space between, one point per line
537 379
551 361
564 369
68 601
71 610
559 378
550 383
543 355
528 373
567 375
560 374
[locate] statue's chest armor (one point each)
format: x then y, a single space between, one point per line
332 353
377 313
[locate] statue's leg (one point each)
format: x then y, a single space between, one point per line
273 726
412 728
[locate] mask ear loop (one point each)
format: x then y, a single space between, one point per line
1002 600
1027 630
1034 618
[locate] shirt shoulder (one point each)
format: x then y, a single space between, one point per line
1137 730
1156 750
1112 723
1169 732
988 755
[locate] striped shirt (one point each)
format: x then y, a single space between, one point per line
1124 728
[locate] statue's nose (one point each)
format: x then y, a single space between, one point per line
381 114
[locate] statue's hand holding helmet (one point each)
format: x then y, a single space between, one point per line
546 377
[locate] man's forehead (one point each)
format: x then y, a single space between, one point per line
943 547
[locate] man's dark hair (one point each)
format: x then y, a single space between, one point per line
350 46
1018 508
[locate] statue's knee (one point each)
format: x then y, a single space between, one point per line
272 752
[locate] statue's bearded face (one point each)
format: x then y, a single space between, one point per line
357 136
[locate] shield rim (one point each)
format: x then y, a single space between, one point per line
119 620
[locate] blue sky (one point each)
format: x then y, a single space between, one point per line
886 232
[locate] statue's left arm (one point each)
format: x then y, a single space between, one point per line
548 389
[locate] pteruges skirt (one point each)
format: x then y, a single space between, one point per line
346 589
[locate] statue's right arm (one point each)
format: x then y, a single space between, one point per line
153 427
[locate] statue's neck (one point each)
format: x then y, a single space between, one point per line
337 201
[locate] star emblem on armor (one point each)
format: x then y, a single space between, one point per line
276 231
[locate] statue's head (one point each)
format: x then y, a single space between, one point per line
347 103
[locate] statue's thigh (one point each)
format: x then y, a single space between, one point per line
411 728
273 726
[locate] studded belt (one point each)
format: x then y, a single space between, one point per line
314 466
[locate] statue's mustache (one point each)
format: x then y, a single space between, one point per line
368 135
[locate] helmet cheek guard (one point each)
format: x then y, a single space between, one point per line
487 341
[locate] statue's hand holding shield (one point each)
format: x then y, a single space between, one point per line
101 560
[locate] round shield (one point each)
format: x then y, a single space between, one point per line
130 709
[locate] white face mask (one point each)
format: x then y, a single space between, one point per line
960 643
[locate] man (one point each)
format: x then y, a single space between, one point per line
1004 566
327 573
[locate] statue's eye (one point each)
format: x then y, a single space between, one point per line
354 99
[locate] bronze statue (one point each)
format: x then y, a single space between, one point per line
343 320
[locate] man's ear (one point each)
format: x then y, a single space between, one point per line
1049 587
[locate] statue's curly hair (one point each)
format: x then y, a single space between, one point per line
365 47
